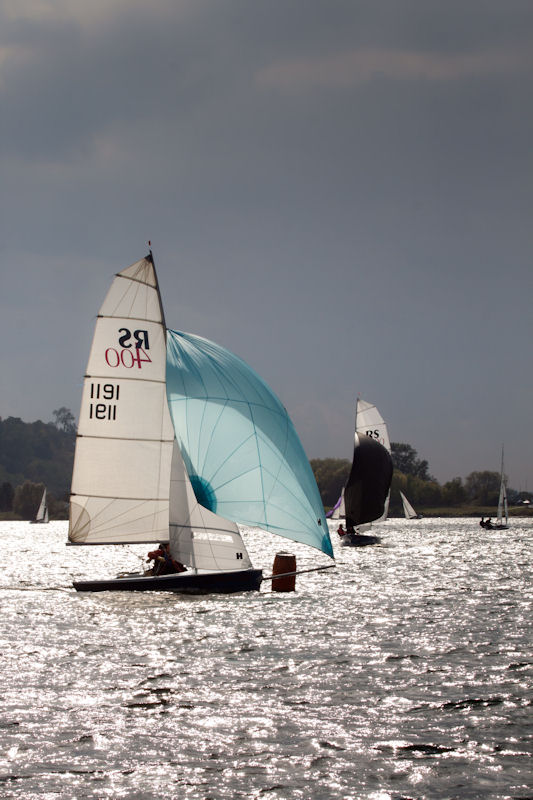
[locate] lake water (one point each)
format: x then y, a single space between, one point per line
406 672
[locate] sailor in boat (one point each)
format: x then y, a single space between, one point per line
341 531
482 523
164 564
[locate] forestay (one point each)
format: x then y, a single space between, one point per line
242 454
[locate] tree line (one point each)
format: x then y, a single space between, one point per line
34 455
38 454
411 476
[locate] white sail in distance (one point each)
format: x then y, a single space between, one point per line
408 509
503 511
42 513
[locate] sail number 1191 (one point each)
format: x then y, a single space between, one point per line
102 397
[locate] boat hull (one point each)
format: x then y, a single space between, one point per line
246 580
359 540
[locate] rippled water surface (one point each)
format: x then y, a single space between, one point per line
403 673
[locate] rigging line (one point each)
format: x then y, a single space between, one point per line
298 572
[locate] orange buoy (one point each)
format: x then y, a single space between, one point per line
283 563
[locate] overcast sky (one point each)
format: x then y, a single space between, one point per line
339 191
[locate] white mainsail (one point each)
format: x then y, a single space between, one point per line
408 509
121 476
42 513
129 483
369 421
503 511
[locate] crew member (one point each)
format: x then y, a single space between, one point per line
164 564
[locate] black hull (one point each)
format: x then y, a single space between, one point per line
247 580
359 540
492 527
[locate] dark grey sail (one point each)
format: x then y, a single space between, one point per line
367 489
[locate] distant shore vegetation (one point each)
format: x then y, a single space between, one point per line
476 495
35 455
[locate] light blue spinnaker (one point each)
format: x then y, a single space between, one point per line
243 455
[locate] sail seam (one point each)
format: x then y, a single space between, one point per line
125 378
113 497
120 438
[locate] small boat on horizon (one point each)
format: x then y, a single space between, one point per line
502 514
42 512
408 510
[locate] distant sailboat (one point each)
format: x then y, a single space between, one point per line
366 494
502 516
229 453
408 509
42 513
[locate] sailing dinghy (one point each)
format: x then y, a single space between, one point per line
502 516
408 510
229 453
42 512
366 494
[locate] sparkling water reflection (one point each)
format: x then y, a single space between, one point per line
403 673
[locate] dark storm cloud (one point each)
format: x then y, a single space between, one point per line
66 77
